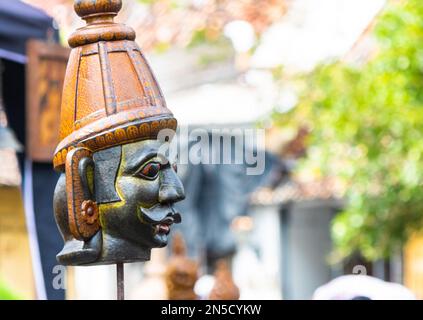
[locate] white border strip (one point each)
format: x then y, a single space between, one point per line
32 231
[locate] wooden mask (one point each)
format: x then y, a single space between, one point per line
114 199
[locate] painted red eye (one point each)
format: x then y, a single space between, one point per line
150 170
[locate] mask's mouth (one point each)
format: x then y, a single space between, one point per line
161 217
164 226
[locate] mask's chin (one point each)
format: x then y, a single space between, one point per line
161 239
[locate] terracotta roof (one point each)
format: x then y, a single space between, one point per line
292 190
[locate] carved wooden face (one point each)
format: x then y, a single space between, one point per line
129 192
148 186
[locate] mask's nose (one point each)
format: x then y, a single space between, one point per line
171 188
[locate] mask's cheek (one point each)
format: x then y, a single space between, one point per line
141 191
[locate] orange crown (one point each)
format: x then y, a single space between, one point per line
110 94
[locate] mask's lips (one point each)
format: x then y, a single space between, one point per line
160 217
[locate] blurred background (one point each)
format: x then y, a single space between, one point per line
335 84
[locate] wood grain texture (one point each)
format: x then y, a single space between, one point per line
45 73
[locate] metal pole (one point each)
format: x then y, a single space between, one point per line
120 281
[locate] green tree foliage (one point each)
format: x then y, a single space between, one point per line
367 129
6 294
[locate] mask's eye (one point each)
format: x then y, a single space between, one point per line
175 167
150 170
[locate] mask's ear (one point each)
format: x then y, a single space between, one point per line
82 208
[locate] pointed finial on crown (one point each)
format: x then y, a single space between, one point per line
93 10
100 25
